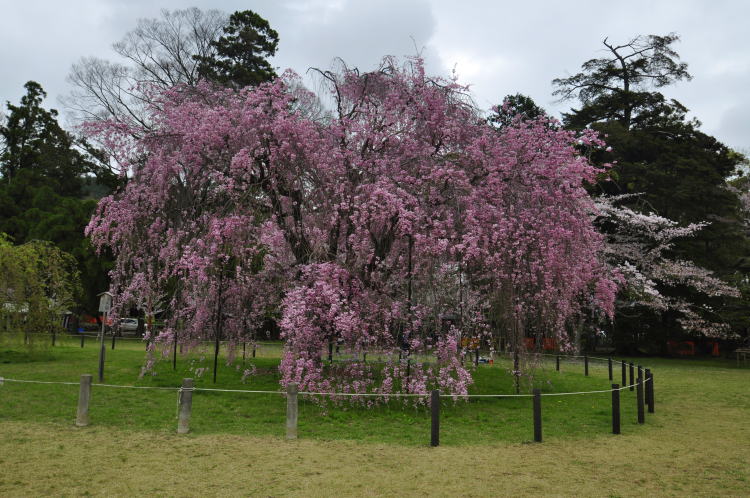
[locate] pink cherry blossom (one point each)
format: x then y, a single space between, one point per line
362 225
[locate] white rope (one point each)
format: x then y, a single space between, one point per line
375 395
41 382
235 390
310 393
78 383
487 395
139 387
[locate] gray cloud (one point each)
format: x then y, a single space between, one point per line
498 47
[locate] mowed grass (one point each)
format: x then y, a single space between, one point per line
477 421
698 442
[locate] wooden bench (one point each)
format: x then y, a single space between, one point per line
742 352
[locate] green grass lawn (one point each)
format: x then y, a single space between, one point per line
477 421
696 444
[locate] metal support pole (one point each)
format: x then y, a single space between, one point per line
101 352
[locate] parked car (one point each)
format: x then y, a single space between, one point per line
128 324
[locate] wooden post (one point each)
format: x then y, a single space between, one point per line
624 375
101 355
185 406
435 426
586 366
84 396
650 390
639 396
609 367
632 376
291 411
537 415
615 409
557 363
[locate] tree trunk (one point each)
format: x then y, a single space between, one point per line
218 324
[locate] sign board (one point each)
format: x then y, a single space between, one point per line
105 302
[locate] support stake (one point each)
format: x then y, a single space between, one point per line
291 410
615 409
639 397
84 396
185 406
435 426
537 415
632 376
650 390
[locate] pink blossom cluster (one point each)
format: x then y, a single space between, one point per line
362 225
639 248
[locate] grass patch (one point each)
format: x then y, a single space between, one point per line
695 445
477 421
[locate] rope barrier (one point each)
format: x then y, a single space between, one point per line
139 387
312 393
38 382
22 381
235 390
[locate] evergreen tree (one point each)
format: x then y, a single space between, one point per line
676 170
46 178
516 106
240 55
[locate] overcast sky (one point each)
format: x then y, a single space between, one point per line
499 47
